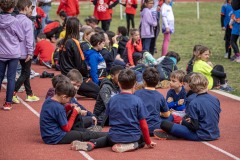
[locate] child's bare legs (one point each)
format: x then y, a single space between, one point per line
165 44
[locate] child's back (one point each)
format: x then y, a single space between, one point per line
125 110
11 35
154 103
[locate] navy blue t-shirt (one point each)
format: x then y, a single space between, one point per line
125 111
205 108
52 117
176 97
155 103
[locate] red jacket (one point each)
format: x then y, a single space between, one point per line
101 12
131 49
51 26
129 8
71 7
44 49
40 13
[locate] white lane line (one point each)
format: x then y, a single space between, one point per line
226 94
88 157
221 150
84 154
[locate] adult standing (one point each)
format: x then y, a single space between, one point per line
71 7
46 6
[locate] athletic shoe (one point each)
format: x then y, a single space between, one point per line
125 147
15 99
32 98
95 128
7 106
237 59
4 81
162 135
84 146
226 55
34 74
47 64
227 88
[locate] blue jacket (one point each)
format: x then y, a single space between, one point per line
95 62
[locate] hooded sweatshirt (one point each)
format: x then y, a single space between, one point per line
107 89
10 36
148 22
95 61
26 46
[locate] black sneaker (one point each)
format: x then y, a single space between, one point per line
162 135
226 89
95 128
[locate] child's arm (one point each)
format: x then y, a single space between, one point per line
145 132
36 51
93 63
29 39
113 4
61 6
71 120
138 45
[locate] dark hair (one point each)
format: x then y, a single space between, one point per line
41 36
197 47
151 76
57 79
133 31
96 39
116 69
23 3
174 55
6 5
65 87
92 20
98 30
72 29
63 14
123 30
75 75
127 78
144 4
110 35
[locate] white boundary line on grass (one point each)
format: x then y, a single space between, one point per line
84 154
88 157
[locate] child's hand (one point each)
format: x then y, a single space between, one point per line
180 102
94 120
83 113
171 110
188 120
78 109
28 58
170 99
153 144
167 30
114 39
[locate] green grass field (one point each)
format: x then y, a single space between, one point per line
189 31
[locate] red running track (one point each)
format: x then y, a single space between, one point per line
20 137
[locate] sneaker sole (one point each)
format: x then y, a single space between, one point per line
31 100
77 145
119 148
7 108
161 135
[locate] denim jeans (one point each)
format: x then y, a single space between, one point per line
46 20
11 66
146 44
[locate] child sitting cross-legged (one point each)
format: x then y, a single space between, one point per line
54 126
154 101
202 115
176 96
127 119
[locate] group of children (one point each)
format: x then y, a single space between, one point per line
133 116
230 24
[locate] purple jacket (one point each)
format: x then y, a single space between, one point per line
148 22
26 46
10 36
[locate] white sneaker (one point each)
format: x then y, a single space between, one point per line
4 80
237 59
226 55
34 74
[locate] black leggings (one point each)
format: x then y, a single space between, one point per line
227 39
107 142
24 77
105 24
81 136
130 17
218 80
234 44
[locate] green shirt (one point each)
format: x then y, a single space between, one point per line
203 67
